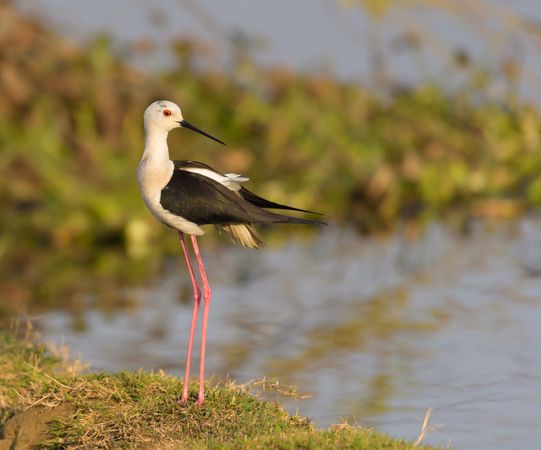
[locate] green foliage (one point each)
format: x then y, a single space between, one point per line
71 135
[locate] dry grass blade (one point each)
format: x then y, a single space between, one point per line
425 429
273 385
48 376
72 365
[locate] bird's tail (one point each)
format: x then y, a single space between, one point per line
245 234
280 218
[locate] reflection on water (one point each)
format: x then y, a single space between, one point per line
377 330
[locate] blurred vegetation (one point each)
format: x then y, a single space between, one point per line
71 135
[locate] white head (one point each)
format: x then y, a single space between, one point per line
164 116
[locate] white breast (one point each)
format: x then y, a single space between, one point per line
152 178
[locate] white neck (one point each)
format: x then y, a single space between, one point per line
156 150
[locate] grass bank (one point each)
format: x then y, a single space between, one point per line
46 404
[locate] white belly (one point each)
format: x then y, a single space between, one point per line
152 180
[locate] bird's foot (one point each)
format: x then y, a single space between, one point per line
200 400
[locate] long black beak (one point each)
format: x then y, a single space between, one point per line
185 124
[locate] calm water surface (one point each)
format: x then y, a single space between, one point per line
376 330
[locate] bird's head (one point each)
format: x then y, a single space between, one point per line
165 116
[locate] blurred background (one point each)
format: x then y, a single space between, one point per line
413 125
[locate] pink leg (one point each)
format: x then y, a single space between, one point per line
196 302
206 300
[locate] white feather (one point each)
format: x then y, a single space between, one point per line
244 234
237 177
229 180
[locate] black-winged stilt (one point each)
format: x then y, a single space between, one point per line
187 194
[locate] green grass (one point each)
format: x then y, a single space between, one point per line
44 404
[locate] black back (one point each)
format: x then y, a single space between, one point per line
202 200
246 194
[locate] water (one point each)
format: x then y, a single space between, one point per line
377 330
316 36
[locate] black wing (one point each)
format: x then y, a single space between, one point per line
203 201
264 203
246 194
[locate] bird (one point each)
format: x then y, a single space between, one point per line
186 195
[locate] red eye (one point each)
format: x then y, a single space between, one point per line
166 112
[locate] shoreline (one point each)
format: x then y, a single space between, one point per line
45 403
